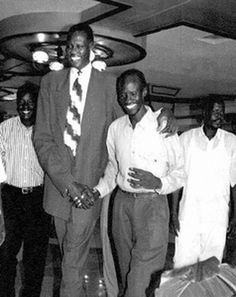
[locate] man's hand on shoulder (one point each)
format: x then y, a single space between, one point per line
167 122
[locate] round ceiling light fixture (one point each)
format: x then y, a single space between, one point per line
40 56
54 55
42 50
50 54
56 66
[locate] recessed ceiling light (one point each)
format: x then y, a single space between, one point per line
7 94
42 37
163 90
40 56
56 66
9 97
213 39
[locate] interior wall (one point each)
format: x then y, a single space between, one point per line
7 109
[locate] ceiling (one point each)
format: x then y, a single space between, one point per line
190 44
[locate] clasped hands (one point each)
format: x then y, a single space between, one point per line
81 196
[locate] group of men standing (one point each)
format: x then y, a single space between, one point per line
88 143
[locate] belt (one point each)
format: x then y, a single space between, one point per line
24 190
141 195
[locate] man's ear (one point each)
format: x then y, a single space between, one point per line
205 116
145 91
91 55
91 45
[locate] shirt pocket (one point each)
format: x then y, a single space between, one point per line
154 159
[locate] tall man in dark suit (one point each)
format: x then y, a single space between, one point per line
75 107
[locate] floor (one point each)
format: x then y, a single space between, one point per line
93 281
93 278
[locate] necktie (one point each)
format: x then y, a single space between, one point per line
73 119
77 87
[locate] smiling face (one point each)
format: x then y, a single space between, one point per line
131 97
26 107
78 50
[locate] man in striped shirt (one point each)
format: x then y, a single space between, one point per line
22 195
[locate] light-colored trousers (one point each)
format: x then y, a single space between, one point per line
194 243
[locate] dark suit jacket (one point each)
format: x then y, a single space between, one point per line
61 168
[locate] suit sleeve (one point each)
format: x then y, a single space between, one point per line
50 153
107 183
3 176
117 111
233 161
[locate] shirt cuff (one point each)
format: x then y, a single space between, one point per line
100 190
163 189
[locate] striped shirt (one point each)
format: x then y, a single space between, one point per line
19 157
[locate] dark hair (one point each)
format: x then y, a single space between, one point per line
137 74
82 27
27 88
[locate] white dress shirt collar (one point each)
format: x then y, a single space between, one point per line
215 138
83 72
148 118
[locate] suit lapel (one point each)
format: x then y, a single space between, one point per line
91 110
90 105
63 98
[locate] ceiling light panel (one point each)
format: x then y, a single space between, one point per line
213 39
